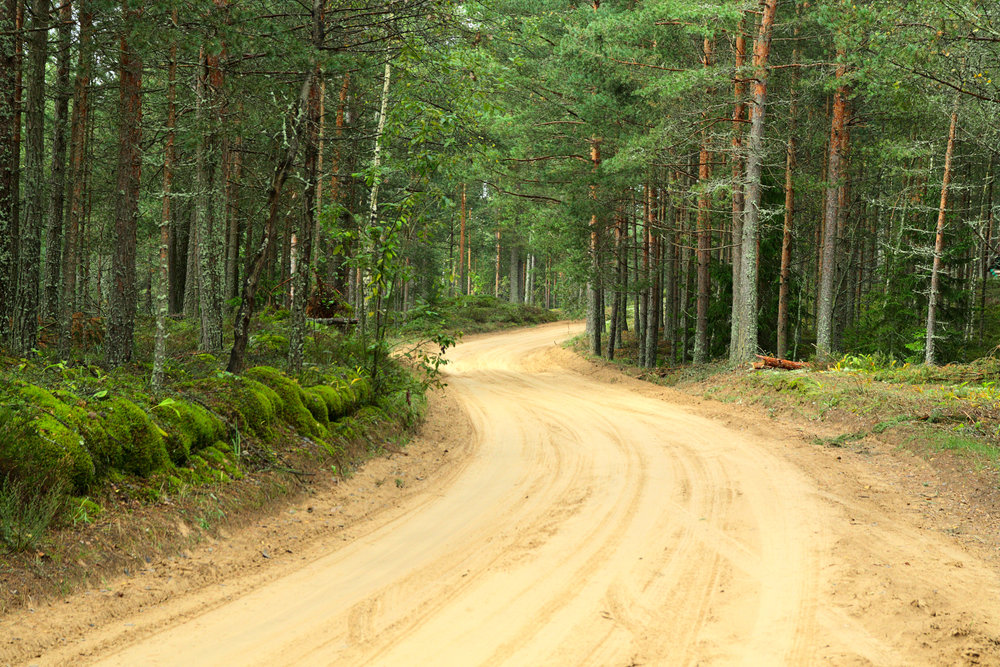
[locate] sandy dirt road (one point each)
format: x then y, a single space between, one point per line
595 523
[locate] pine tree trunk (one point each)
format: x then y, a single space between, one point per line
57 188
939 241
461 244
311 150
786 238
9 159
26 300
831 213
122 307
78 149
595 312
739 113
160 343
746 342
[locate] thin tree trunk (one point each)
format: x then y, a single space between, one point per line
595 314
301 276
616 298
57 187
747 340
241 333
461 244
373 196
160 343
786 239
78 149
825 294
26 301
496 277
939 241
121 318
704 233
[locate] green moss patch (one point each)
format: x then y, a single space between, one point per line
189 427
134 443
293 409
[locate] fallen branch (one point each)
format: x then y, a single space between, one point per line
774 362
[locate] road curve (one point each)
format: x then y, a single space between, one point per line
595 524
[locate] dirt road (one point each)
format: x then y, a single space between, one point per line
592 522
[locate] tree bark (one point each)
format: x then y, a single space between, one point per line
9 158
929 358
595 314
121 316
301 276
831 212
704 232
739 113
786 238
26 301
461 244
746 342
77 167
57 189
160 343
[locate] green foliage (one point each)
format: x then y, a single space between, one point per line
26 511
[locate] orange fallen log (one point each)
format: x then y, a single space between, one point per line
774 362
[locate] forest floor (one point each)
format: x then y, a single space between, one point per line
558 511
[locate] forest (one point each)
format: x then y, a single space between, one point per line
800 178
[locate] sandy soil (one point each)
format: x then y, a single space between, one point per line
557 513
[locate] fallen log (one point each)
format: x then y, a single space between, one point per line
774 362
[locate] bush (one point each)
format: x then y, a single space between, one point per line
27 508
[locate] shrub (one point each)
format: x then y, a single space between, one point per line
27 508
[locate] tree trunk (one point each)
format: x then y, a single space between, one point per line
595 314
57 188
939 241
496 277
241 333
78 149
739 113
311 149
704 232
786 238
617 299
746 342
26 301
121 317
9 158
461 244
831 212
160 343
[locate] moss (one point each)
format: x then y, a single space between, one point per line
316 405
135 443
37 446
294 410
248 404
189 428
332 399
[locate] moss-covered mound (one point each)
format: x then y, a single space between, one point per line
189 428
36 444
134 443
293 399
